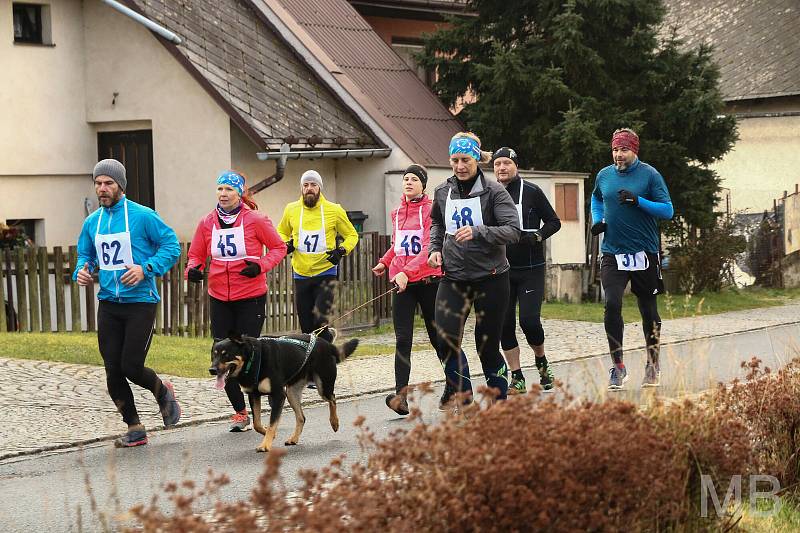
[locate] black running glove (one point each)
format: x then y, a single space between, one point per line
531 237
194 274
251 270
598 228
335 255
626 197
290 247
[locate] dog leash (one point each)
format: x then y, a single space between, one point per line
319 329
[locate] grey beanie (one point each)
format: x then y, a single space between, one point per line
113 169
312 176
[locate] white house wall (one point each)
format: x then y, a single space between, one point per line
191 133
765 161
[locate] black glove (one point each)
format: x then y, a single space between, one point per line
251 270
598 228
194 274
290 247
335 255
626 197
531 237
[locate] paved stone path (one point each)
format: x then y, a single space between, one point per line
49 405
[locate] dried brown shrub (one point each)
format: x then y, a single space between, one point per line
530 464
768 404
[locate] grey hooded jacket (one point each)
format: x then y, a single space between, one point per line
485 254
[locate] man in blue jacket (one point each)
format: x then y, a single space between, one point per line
130 245
629 198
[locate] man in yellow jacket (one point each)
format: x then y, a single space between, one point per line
310 226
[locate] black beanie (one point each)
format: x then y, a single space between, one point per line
505 151
420 172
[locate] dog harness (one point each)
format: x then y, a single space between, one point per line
308 346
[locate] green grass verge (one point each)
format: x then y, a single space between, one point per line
179 356
679 305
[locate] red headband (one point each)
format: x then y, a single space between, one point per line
626 139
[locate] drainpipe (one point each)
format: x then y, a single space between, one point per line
141 19
286 153
280 167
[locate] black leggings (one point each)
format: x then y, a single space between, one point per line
245 317
313 299
404 304
454 301
124 332
645 285
527 286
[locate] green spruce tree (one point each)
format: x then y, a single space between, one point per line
555 78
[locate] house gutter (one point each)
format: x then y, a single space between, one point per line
286 153
146 22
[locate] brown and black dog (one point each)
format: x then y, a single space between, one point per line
280 367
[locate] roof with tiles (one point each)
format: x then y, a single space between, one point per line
755 42
263 85
412 115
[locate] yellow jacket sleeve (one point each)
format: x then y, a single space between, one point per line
285 225
345 228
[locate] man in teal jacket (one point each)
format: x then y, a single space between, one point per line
130 245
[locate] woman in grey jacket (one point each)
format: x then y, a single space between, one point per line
471 222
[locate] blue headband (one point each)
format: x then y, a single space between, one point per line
233 179
465 145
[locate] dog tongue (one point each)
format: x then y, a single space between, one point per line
219 384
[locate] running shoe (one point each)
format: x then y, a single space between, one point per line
240 422
517 386
131 438
652 376
546 378
447 397
617 377
398 403
170 409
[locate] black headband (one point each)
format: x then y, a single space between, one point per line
420 172
505 151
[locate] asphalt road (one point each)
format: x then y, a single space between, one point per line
69 490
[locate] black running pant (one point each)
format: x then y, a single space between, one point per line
527 287
645 284
124 332
489 297
245 317
404 305
313 299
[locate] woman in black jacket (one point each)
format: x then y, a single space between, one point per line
471 222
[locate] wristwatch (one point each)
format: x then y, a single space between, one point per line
149 268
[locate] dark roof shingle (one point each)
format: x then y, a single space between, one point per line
256 74
755 42
414 117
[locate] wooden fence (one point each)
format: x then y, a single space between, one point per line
37 285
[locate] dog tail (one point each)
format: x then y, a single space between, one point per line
345 350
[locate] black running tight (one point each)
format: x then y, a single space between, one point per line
454 301
124 332
245 317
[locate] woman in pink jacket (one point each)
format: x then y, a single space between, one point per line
235 235
417 283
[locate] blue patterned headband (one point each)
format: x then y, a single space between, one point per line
233 179
465 145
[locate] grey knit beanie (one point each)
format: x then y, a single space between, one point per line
311 176
113 169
